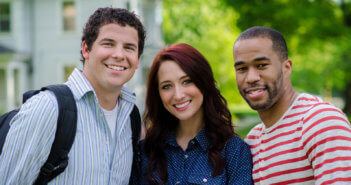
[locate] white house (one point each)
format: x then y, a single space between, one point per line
40 42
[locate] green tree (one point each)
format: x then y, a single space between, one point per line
318 34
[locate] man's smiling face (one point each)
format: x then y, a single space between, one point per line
259 72
113 57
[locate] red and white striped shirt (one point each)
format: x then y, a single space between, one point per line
310 144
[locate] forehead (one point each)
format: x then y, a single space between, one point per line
169 70
249 49
116 31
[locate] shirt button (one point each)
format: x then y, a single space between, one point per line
204 180
178 182
192 142
186 156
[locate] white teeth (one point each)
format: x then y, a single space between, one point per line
116 68
182 105
255 92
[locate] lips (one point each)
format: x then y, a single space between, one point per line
116 67
182 106
254 92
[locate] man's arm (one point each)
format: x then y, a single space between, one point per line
29 140
327 142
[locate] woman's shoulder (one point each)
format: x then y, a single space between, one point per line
235 143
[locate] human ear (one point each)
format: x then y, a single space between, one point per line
85 50
137 66
287 65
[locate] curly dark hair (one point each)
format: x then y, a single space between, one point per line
160 123
107 15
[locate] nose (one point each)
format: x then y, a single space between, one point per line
252 76
178 93
118 52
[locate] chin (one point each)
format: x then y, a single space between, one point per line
183 118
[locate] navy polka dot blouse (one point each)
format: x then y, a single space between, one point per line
193 167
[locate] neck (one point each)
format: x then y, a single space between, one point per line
107 95
187 130
270 116
107 101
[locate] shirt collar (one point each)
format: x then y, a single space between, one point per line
81 86
200 138
127 95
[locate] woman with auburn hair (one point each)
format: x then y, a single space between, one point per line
189 137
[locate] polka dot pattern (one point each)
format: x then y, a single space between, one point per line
193 167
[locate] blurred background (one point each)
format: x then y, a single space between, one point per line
40 43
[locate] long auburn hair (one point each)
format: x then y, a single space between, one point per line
160 123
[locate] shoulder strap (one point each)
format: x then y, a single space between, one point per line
5 126
135 122
64 137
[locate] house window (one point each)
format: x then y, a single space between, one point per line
5 17
69 16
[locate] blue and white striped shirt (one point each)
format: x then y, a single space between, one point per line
95 157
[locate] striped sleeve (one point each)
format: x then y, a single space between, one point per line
327 141
29 140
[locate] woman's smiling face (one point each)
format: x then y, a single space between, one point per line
179 94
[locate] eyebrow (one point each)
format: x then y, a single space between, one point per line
238 63
255 60
167 81
260 59
107 39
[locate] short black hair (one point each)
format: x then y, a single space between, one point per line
107 15
278 41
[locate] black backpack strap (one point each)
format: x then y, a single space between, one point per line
135 122
5 126
64 137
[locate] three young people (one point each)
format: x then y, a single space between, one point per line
189 136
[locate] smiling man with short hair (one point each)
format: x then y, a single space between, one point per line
102 152
302 139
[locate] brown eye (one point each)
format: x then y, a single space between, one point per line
240 69
260 66
107 44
